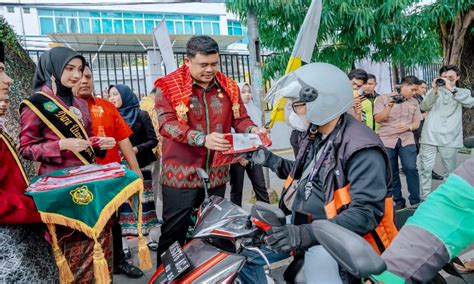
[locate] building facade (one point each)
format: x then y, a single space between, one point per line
34 21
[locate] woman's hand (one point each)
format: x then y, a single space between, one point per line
74 144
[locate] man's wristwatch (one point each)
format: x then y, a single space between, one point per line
200 140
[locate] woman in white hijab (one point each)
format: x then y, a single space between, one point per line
254 172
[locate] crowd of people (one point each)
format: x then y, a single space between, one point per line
347 140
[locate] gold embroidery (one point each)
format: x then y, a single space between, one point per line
82 195
182 110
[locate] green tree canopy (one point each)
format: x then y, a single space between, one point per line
402 31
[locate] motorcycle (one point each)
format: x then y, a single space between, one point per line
223 230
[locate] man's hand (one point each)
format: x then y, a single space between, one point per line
74 144
106 143
243 162
290 237
357 105
390 103
258 130
216 141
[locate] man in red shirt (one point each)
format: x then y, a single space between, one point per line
196 105
107 122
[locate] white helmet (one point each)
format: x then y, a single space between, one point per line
325 88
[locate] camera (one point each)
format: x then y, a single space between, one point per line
440 82
398 99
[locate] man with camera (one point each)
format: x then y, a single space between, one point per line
398 115
442 130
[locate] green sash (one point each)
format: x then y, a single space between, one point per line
11 147
61 121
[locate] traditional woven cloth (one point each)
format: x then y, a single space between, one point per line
25 256
86 206
128 213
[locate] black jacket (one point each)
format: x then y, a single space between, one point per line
144 138
357 157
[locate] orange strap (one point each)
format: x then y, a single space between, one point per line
342 197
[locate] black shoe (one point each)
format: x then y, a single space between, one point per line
436 176
129 270
127 254
399 206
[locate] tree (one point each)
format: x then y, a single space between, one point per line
350 30
22 69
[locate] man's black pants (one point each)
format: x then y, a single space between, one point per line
178 204
119 255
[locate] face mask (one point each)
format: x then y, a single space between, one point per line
298 122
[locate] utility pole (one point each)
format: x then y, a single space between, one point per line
256 71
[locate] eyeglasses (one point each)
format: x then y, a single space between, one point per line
299 107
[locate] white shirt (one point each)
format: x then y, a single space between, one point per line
443 125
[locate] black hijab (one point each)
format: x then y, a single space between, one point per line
130 105
52 63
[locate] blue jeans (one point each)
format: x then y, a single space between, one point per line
407 156
253 271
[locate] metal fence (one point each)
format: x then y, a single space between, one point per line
131 68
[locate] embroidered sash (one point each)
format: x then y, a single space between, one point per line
61 121
11 147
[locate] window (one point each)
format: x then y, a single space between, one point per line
118 26
236 28
128 26
61 25
85 25
96 27
47 25
26 10
198 28
42 12
149 26
84 21
188 27
207 28
106 26
10 9
72 24
139 27
216 29
179 28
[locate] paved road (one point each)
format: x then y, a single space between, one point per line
276 184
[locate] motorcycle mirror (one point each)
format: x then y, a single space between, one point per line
352 253
469 142
268 214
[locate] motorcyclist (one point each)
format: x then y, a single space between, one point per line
341 173
440 228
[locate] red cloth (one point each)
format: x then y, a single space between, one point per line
15 207
113 125
41 144
209 112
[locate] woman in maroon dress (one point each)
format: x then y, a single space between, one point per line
55 143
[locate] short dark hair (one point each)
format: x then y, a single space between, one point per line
359 74
422 82
371 76
410 80
201 44
447 68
